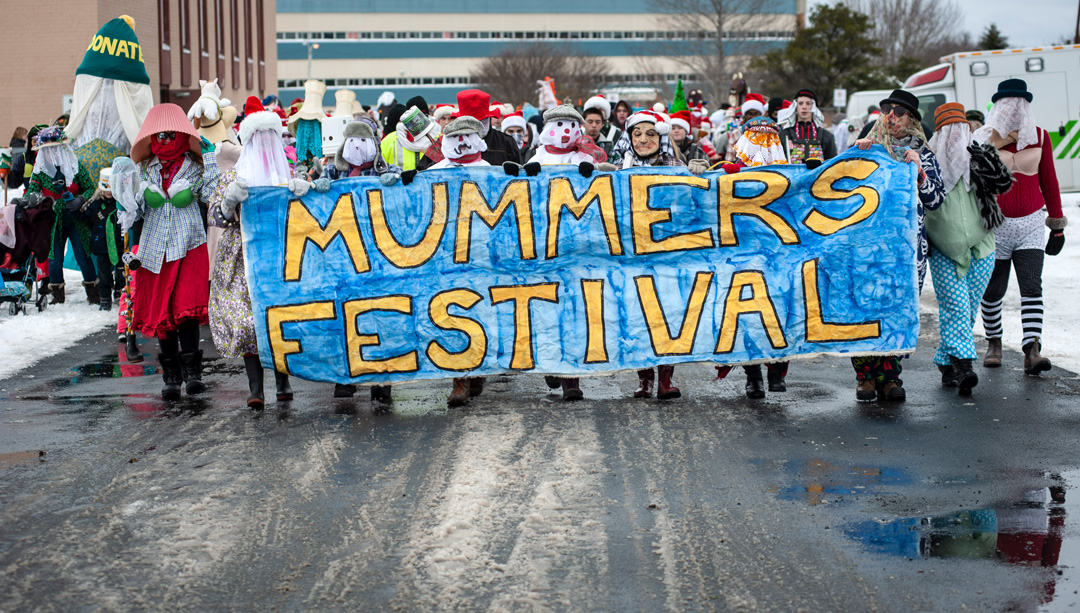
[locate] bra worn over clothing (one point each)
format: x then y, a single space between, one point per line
181 198
1024 162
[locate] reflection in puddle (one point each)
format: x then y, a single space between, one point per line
21 457
820 482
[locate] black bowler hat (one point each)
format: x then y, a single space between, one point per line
1012 88
906 100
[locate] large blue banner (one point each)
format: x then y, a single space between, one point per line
471 271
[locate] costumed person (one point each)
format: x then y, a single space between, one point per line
1027 152
59 175
686 148
105 239
413 135
645 143
841 132
515 126
804 132
213 118
759 145
753 106
975 119
603 132
548 99
178 168
499 147
962 240
262 162
124 181
442 114
306 124
900 131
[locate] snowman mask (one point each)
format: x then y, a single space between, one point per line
561 133
463 145
359 151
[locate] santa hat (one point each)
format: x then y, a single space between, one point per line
516 120
598 102
443 110
754 102
662 125
257 118
681 119
658 107
496 109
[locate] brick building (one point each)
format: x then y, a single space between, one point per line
183 41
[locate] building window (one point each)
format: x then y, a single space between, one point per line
249 58
261 46
219 39
185 43
204 42
234 13
165 59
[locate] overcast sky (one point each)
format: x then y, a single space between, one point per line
1028 23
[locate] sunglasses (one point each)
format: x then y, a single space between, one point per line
895 109
165 136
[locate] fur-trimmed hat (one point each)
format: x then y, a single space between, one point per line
754 102
258 119
681 119
516 120
443 110
662 125
598 102
353 129
463 125
563 111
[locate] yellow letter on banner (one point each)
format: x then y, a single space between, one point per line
817 329
561 195
472 356
643 217
302 227
418 254
596 337
473 202
355 342
278 316
823 189
728 206
657 321
759 302
522 296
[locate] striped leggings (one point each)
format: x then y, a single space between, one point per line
1028 264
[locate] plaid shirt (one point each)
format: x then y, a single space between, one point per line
169 232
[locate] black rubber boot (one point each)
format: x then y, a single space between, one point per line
775 374
552 381
381 393
131 350
191 368
755 386
965 376
284 390
344 390
254 371
570 389
170 373
948 375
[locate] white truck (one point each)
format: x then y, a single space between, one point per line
1052 74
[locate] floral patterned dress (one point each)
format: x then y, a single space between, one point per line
231 321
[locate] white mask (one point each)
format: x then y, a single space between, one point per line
457 147
561 133
359 151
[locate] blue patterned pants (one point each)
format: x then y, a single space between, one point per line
958 304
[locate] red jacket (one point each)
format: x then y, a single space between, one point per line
1030 192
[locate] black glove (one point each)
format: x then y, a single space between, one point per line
586 169
812 163
1056 242
532 169
407 177
511 169
74 205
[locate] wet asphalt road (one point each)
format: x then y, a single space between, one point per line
807 500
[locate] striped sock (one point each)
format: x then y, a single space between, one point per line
991 316
1031 315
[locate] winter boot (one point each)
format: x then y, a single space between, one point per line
191 368
345 390
253 368
570 389
894 391
381 393
755 387
948 375
645 378
965 377
666 391
170 372
284 390
131 350
460 394
552 381
776 374
57 292
993 353
1033 362
476 386
106 303
865 390
91 288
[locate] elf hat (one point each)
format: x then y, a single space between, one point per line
516 120
443 110
256 119
474 103
754 102
344 99
165 117
598 102
662 126
115 53
681 119
312 107
50 137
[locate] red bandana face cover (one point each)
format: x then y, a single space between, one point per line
170 150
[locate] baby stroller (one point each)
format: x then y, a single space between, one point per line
19 288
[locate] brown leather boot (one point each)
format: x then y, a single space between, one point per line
993 353
476 386
92 294
645 378
665 390
460 394
893 391
570 389
865 390
1033 362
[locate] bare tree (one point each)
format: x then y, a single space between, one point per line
511 75
919 30
715 38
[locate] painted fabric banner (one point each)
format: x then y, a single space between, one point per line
471 271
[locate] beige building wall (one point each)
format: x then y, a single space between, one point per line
501 22
441 67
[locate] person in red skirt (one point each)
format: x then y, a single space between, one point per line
177 169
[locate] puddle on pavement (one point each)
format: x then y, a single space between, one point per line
21 457
819 482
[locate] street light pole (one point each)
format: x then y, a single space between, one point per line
310 47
